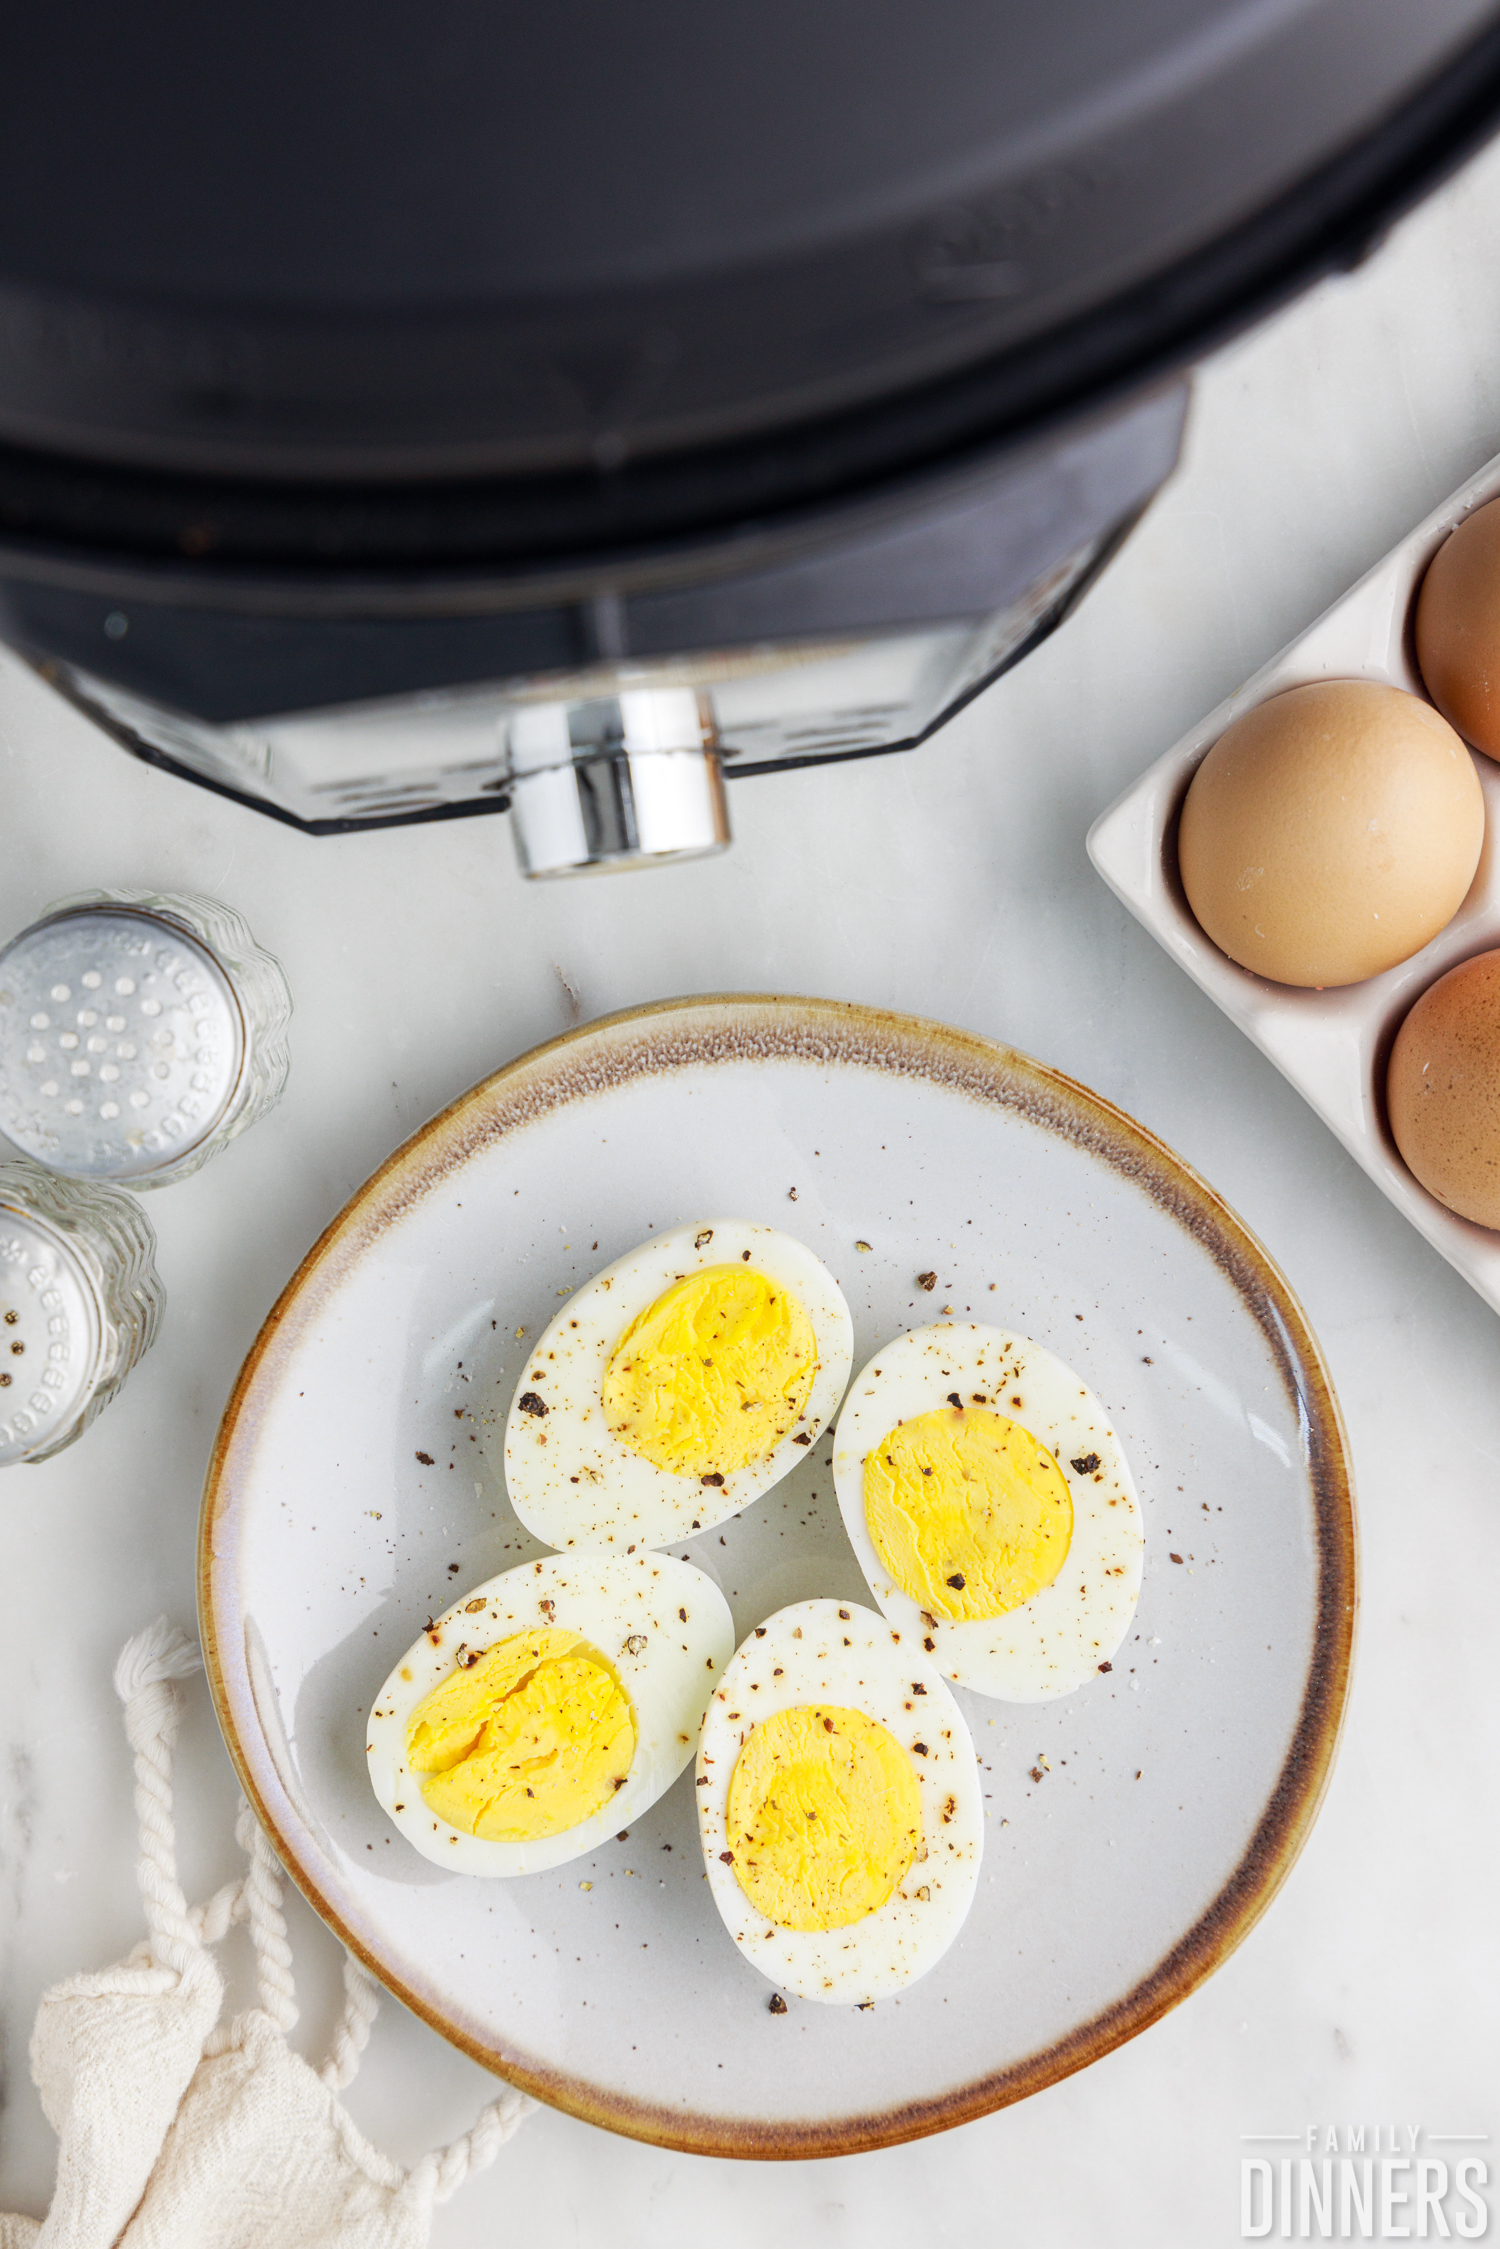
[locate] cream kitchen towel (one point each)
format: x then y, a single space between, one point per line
178 2132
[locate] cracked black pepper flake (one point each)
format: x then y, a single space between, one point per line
529 1402
955 1400
927 1281
776 2003
802 1438
1106 1667
956 1581
713 1477
919 1748
426 1459
1085 1464
1036 1772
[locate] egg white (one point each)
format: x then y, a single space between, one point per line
571 1481
615 1601
833 1652
1061 1637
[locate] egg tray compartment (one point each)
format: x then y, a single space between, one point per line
1332 1045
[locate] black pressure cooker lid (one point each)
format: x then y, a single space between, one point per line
390 283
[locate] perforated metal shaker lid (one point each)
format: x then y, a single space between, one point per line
49 1333
80 1302
122 1042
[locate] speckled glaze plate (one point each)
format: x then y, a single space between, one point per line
1135 1831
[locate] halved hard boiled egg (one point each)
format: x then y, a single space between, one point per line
992 1509
839 1804
677 1386
548 1708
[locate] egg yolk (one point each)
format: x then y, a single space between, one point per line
714 1374
824 1817
970 1515
536 1736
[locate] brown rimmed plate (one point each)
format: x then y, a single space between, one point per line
1135 1830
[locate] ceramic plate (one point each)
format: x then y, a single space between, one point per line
1134 1831
1334 1046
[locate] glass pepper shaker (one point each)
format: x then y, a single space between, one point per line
139 1033
80 1301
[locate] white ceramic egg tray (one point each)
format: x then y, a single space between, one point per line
1332 1045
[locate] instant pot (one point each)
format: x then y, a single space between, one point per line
408 413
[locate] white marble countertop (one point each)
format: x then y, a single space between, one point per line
952 882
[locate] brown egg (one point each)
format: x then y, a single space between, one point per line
1458 628
1442 1089
1331 832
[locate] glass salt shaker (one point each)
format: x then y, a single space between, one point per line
139 1033
80 1301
